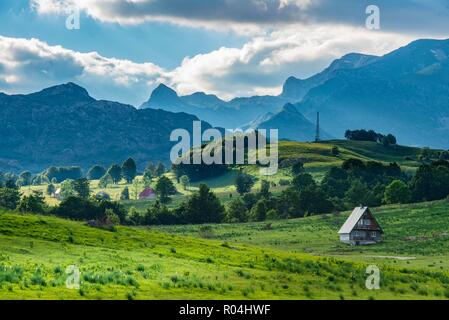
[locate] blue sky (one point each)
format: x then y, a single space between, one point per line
124 48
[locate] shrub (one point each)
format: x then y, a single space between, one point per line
9 198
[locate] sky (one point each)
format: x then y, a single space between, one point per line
124 48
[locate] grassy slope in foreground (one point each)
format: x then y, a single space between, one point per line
416 235
137 263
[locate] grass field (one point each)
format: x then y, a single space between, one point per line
242 262
416 235
286 259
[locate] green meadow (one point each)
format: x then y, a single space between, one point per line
295 259
282 259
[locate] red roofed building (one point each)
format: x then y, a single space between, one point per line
148 193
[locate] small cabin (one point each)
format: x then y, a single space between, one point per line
148 193
58 194
361 228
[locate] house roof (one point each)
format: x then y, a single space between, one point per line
147 192
352 220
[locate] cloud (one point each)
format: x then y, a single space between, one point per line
406 16
29 64
257 68
263 64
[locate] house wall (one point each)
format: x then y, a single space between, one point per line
345 238
364 237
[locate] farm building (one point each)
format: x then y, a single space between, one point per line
148 193
58 194
361 228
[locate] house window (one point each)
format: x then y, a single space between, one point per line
364 222
374 234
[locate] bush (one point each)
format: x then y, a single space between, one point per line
9 198
259 211
237 211
202 207
397 192
96 172
244 183
272 214
33 203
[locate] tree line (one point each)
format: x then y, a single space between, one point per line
354 183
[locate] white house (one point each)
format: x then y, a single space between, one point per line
361 228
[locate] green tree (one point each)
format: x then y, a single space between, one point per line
259 211
96 172
265 189
129 170
164 189
356 195
33 203
125 194
272 214
67 189
82 187
185 181
303 180
115 172
9 198
298 168
148 174
159 214
202 207
25 178
149 170
237 211
51 189
397 192
105 181
159 170
244 183
136 188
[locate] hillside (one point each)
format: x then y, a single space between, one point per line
290 123
137 263
403 92
63 125
226 114
415 235
320 155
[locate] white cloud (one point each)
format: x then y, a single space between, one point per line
251 16
29 64
263 63
259 67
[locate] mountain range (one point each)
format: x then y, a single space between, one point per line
64 125
405 92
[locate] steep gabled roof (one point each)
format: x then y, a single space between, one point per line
352 220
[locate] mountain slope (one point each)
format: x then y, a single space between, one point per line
210 108
405 92
295 89
63 125
292 125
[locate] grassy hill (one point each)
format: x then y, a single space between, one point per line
416 235
141 263
318 155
